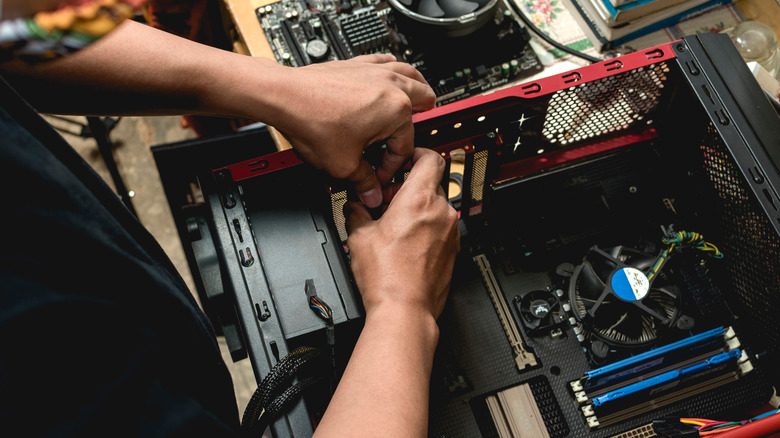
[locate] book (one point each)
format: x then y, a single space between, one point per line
617 3
604 37
637 9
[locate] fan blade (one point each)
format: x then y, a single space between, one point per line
603 262
591 285
642 261
405 2
534 323
657 315
482 2
456 8
672 293
430 8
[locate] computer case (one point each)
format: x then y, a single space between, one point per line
566 183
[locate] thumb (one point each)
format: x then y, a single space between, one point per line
357 216
367 185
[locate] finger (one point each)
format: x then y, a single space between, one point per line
357 217
407 70
427 170
366 184
390 191
375 58
420 94
400 147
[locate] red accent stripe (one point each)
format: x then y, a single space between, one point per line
551 84
287 158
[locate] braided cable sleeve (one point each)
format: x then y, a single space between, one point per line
274 381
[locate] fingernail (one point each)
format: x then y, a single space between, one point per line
371 198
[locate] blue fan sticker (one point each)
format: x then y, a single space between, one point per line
630 284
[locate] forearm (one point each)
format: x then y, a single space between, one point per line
139 70
384 390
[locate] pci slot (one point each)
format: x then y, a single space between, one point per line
523 358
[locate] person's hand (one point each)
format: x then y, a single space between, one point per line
334 110
406 257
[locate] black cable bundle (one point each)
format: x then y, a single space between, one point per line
273 395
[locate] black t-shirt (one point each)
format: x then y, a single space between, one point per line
98 333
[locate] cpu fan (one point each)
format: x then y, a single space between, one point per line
540 311
455 17
622 297
443 8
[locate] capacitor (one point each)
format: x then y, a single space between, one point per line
458 74
317 50
514 66
286 58
467 73
505 69
317 26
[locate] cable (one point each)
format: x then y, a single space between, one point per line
761 425
323 310
271 396
683 239
532 27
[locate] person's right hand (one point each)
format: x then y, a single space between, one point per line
406 257
332 111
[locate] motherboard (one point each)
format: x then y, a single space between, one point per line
457 64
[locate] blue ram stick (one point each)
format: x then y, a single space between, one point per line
654 353
667 377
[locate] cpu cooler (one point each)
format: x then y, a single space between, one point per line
443 8
622 298
450 18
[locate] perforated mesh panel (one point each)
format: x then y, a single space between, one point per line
478 170
338 200
608 105
750 243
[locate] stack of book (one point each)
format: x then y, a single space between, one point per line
611 23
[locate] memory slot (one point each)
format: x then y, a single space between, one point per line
666 383
633 411
658 357
676 364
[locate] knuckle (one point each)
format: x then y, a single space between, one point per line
452 217
344 169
